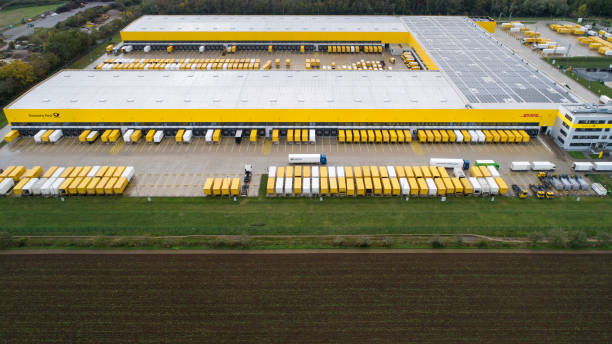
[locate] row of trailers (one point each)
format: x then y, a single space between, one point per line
65 181
374 136
354 181
473 136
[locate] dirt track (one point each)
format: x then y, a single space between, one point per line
303 251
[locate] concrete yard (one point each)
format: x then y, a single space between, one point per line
171 169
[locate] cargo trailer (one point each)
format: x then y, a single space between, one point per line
467 138
544 166
289 172
187 136
493 187
431 188
17 172
602 166
386 186
333 185
136 135
109 187
217 184
502 186
368 185
92 172
288 186
12 135
314 186
314 171
423 187
393 136
91 186
35 171
583 183
307 159
496 137
437 136
279 187
18 188
488 136
422 136
476 188
56 186
475 171
158 136
127 136
56 135
599 189
448 184
150 135
235 187
339 171
350 186
58 173
83 136
378 136
105 135
493 171
510 136
359 187
485 190
458 136
92 136
582 166
458 172
433 170
449 163
382 172
306 187
27 188
253 136
414 186
566 184
457 186
37 187
208 137
6 185
114 136
520 166
312 137
377 186
269 186
38 136
225 186
416 170
217 136
575 186
484 171
404 187
430 136
272 172
444 135
503 138
473 136
518 138
440 187
128 173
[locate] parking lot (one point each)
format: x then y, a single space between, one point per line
171 169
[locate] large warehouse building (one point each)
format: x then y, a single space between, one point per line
467 80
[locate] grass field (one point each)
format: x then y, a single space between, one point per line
13 16
263 216
88 58
586 62
3 120
576 155
306 298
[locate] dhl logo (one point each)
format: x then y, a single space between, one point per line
530 115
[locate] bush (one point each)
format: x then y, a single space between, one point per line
387 241
578 239
100 241
482 244
459 240
364 242
6 240
535 237
557 238
436 242
603 239
339 242
245 241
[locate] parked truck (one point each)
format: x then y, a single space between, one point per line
308 159
582 166
520 166
450 163
543 166
602 166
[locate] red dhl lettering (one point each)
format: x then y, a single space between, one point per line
530 115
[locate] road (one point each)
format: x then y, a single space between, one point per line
46 22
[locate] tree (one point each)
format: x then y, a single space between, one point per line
535 237
557 238
18 73
582 11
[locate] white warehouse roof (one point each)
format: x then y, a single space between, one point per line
200 23
80 89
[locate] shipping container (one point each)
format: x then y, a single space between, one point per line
422 136
279 186
364 136
467 138
341 185
434 172
84 171
288 186
468 189
473 136
367 183
525 136
437 136
6 185
518 138
549 166
385 136
324 186
371 136
314 171
386 186
217 185
12 135
360 187
105 135
383 172
208 137
289 172
82 187
45 137
440 187
431 187
488 136
312 138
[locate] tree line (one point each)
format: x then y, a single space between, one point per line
54 48
494 8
